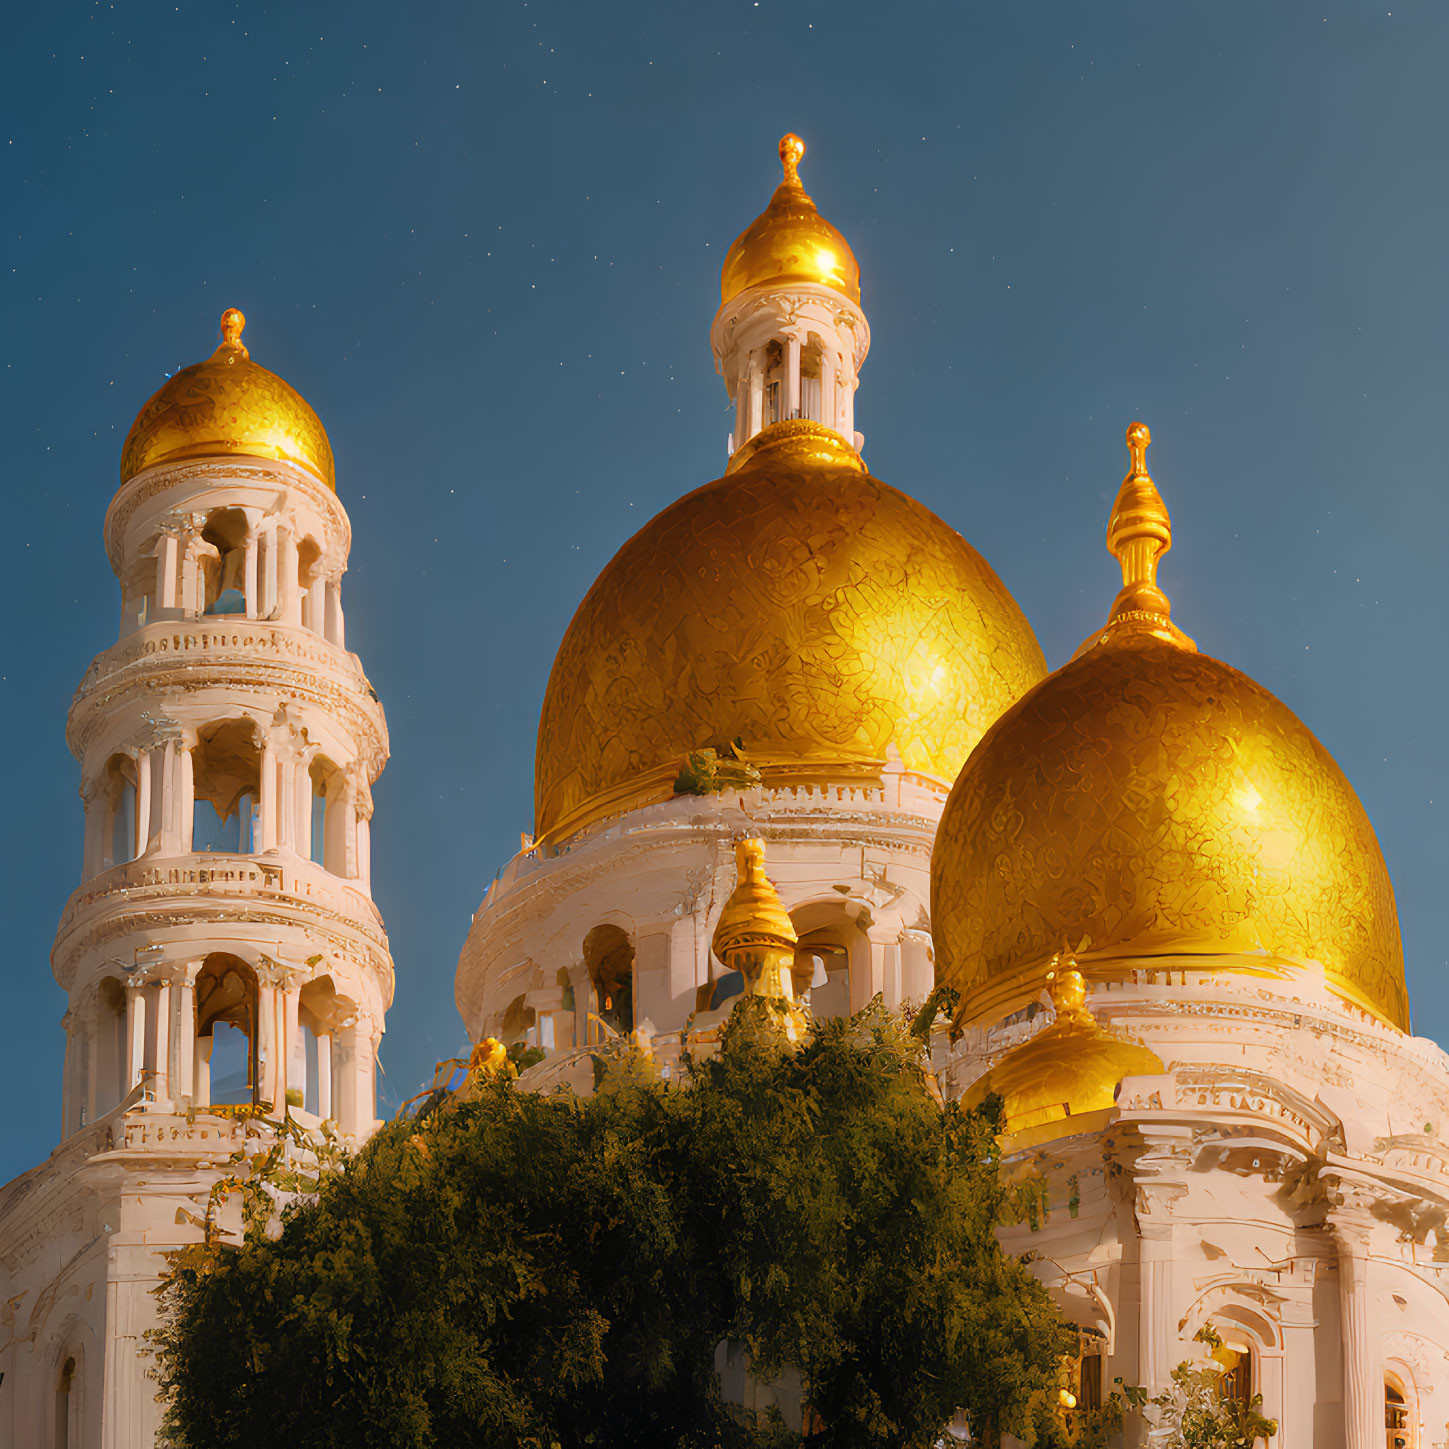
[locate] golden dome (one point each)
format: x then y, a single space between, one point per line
797 605
1148 800
225 406
1055 1084
790 241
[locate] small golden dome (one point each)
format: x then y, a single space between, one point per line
797 605
754 916
1148 800
790 241
1055 1084
223 407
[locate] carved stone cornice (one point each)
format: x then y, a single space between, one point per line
247 656
234 472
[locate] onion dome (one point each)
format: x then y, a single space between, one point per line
227 406
796 614
1146 800
790 241
1065 1078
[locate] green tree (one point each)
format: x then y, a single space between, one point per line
504 1268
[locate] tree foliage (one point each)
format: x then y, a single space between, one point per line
507 1268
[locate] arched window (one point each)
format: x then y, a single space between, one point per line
223 578
120 797
110 1046
226 1031
331 818
318 1011
1235 1354
310 585
1398 1414
831 949
65 1383
609 958
226 781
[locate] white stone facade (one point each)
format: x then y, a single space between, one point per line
1285 1182
222 956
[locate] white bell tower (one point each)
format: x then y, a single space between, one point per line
222 956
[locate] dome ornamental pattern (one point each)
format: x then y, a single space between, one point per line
799 606
1147 800
227 405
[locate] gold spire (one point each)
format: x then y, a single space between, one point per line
1139 532
232 324
792 153
755 936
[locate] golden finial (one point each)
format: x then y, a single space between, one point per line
792 153
1067 987
232 323
1139 532
755 936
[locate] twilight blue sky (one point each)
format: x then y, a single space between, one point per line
483 239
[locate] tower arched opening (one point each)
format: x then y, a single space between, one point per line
332 819
831 955
119 794
226 1031
107 1085
609 960
223 576
66 1397
226 785
320 1010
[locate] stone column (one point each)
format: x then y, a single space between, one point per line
183 1033
287 804
269 575
1363 1381
336 629
169 770
792 377
324 1075
294 1054
268 768
364 853
827 387
268 1052
167 568
96 799
143 802
135 1032
93 1058
161 1060
250 576
757 399
289 601
186 801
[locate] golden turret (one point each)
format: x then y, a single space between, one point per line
754 935
790 241
1065 1079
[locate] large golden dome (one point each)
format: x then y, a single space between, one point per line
1148 800
224 406
797 605
790 241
